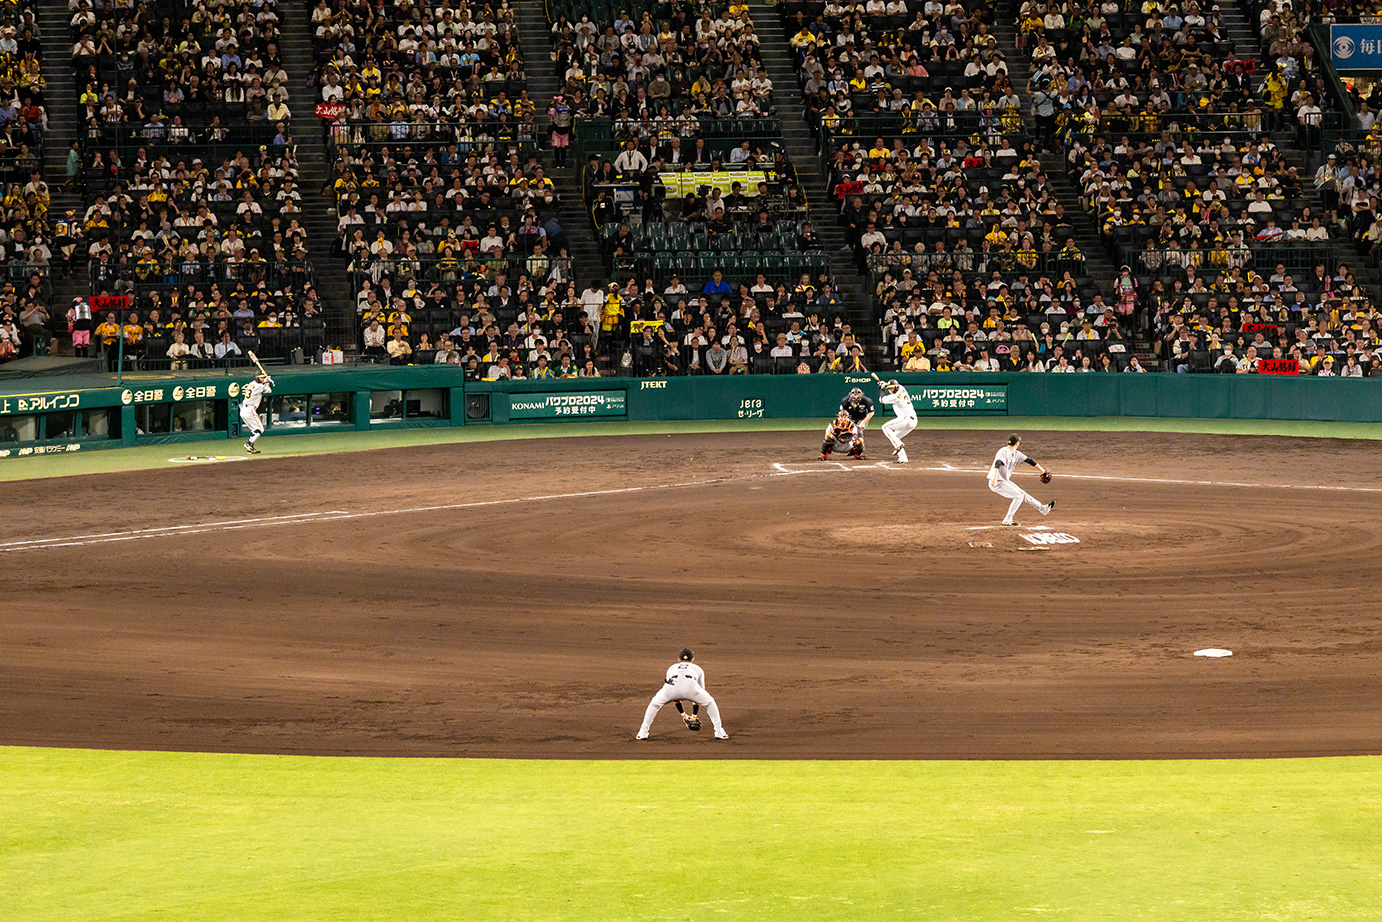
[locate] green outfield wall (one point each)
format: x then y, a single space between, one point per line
81 413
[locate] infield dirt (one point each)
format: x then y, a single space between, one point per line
840 610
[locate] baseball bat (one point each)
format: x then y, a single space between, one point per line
255 359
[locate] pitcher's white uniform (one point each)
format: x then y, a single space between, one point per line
1007 458
685 682
249 407
897 429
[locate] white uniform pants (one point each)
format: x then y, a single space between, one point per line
1019 496
898 429
683 690
251 420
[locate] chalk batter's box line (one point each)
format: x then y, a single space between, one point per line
780 470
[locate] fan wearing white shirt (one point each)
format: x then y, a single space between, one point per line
1000 474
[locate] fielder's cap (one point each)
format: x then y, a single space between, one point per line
686 655
1014 439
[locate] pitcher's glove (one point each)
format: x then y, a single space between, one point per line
693 722
1045 476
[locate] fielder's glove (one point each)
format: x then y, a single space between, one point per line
1045 476
693 722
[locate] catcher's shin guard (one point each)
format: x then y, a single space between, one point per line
826 448
857 449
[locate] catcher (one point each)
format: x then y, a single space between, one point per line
844 432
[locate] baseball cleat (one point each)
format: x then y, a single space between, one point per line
1014 524
641 736
250 449
825 457
901 457
859 457
721 735
1046 509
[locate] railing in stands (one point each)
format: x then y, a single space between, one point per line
142 277
1296 257
467 136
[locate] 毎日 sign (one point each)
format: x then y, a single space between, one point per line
1356 47
553 406
978 398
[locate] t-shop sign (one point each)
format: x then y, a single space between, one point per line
567 406
1278 367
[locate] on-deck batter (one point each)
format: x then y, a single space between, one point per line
685 682
896 396
1007 458
249 408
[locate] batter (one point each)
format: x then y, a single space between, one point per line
896 396
249 408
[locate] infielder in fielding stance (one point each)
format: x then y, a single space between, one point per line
896 396
249 408
1004 462
685 682
848 428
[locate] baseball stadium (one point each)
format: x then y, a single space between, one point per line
568 460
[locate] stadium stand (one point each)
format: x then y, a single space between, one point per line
191 181
988 168
27 246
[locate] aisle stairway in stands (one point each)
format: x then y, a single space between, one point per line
801 146
534 39
319 217
1099 262
64 122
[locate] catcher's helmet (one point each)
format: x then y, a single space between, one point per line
687 655
856 392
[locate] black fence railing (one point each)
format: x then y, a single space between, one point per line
490 134
949 127
141 277
1043 262
1297 257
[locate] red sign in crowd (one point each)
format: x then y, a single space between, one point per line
1259 328
330 109
109 303
1278 367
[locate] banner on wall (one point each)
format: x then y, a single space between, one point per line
982 398
553 406
1356 47
680 185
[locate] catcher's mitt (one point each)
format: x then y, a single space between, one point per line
692 722
1045 476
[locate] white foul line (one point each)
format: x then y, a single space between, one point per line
309 518
780 470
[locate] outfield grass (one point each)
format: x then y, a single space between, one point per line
105 835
